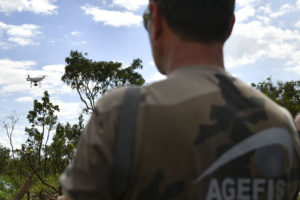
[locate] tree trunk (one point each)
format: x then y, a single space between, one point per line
28 195
25 188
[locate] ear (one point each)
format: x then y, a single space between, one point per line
231 27
155 21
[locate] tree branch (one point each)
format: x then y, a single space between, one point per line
43 180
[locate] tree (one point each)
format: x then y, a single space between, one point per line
92 79
286 94
43 121
4 158
64 143
9 125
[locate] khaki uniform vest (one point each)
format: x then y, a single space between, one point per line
201 135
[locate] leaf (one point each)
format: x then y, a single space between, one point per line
91 79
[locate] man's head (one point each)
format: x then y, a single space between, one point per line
188 32
198 20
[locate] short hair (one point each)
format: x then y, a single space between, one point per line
198 20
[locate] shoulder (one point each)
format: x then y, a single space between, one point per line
114 98
111 99
270 105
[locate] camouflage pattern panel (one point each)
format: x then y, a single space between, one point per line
203 134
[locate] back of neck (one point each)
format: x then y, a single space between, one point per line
196 54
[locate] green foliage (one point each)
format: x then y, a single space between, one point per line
6 188
40 164
92 79
64 143
4 158
43 120
34 154
40 192
286 94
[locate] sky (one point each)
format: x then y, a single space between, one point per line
37 35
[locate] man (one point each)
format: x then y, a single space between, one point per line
201 133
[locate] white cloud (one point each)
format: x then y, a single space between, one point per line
297 25
14 73
76 33
13 81
247 2
285 9
65 90
18 136
294 60
54 68
264 19
130 4
255 40
258 38
18 140
293 69
5 45
25 30
46 7
156 77
19 87
68 110
21 41
265 9
7 63
152 63
112 18
22 35
24 99
244 13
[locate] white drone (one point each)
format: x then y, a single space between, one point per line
36 80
